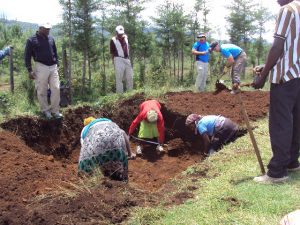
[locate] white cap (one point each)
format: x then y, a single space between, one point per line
46 25
120 29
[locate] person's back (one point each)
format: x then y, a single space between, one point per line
234 50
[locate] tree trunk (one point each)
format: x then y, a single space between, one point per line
83 73
90 73
70 52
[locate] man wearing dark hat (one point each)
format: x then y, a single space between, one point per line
200 50
41 47
236 58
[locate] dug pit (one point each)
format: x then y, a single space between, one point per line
48 157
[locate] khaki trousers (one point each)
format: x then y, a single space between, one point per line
47 76
124 72
238 67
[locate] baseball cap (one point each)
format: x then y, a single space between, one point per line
120 29
46 25
200 35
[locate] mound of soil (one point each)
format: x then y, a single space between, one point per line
39 161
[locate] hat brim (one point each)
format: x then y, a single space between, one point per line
46 26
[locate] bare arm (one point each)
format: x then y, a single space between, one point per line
195 52
230 61
206 142
130 154
274 54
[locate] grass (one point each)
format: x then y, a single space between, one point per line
228 194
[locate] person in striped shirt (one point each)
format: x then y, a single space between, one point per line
284 115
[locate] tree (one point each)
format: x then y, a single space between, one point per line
83 33
67 25
203 7
241 22
262 16
170 33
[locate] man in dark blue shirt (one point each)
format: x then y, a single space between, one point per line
41 47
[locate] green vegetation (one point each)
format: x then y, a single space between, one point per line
227 194
160 52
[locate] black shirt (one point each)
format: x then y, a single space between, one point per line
42 49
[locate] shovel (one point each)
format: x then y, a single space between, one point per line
149 142
140 139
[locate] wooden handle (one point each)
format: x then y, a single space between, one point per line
251 134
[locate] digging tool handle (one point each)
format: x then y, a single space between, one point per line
251 134
140 139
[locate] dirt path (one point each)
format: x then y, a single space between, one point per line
40 157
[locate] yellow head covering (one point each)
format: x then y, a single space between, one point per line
86 121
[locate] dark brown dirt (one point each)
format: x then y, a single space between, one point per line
39 159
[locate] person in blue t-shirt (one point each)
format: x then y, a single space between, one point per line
215 130
236 58
200 50
5 51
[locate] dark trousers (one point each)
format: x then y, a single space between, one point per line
224 134
284 127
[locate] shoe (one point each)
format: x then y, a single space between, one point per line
265 179
47 115
138 150
233 92
160 149
294 169
211 152
57 115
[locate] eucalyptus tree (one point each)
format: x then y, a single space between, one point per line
203 7
241 21
83 33
262 15
170 28
68 9
102 23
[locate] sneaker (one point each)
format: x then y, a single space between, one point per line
138 150
160 149
233 92
211 151
265 179
47 115
57 115
294 169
